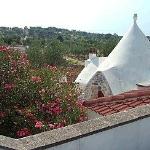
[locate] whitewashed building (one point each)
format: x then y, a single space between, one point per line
126 66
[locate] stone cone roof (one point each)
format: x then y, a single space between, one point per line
129 62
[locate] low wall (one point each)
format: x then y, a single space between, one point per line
126 130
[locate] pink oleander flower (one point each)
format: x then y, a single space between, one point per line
54 104
2 114
3 48
58 125
39 124
52 68
14 63
23 132
36 79
9 86
52 126
57 110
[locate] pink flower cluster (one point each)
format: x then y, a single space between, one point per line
3 48
56 125
35 95
2 114
36 79
9 86
23 61
39 124
57 110
52 67
53 108
23 132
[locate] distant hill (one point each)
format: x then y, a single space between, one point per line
74 42
51 32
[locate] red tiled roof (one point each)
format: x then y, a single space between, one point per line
113 104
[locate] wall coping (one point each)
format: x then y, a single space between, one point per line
75 131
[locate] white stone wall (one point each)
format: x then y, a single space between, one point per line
98 81
132 136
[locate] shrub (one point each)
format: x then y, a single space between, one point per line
34 100
50 52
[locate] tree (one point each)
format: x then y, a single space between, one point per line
46 52
60 38
35 53
54 52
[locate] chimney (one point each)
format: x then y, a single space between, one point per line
92 55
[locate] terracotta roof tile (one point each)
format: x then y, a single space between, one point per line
136 103
115 106
112 104
122 106
146 100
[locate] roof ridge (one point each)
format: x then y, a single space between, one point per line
118 98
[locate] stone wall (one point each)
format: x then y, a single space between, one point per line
98 82
132 136
126 130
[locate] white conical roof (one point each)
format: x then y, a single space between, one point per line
129 62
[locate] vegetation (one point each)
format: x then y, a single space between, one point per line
53 42
34 94
46 52
34 99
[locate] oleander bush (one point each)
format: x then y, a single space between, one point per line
33 100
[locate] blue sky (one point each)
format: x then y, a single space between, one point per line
100 16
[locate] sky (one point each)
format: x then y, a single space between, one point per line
98 16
